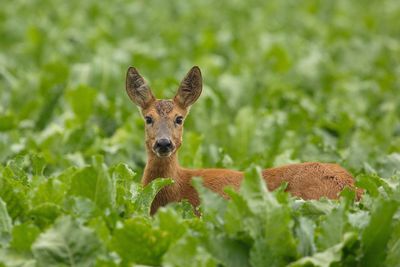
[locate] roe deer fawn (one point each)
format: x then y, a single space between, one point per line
164 125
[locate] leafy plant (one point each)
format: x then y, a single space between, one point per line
284 82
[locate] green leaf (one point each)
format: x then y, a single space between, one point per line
331 228
188 251
67 243
213 206
184 209
5 224
313 208
329 256
136 241
370 183
13 193
49 106
276 246
252 215
123 177
38 164
254 188
239 218
102 229
305 236
94 183
23 236
51 190
44 214
227 250
81 207
7 122
123 173
376 235
393 251
143 197
81 100
169 221
10 258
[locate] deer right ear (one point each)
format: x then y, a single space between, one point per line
138 90
190 88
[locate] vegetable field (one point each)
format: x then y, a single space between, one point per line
284 82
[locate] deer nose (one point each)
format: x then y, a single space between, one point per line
164 144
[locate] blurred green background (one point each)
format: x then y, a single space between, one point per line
284 81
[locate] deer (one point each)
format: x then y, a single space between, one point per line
164 119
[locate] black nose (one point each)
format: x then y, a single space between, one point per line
164 144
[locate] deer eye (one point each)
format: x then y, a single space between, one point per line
179 120
148 119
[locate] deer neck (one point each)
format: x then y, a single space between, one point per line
156 167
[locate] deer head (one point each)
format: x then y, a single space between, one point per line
164 118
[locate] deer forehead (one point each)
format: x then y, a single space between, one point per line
165 108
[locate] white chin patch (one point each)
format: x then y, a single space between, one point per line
164 155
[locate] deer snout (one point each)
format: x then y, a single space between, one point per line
163 143
163 147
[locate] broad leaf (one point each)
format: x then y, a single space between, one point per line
94 183
136 241
67 243
5 224
376 235
191 253
329 256
143 197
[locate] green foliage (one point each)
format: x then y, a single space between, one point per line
377 234
142 197
133 240
284 82
67 243
95 184
5 224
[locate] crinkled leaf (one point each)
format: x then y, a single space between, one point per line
23 236
143 197
9 258
331 228
44 214
94 183
188 251
136 241
376 235
67 243
305 235
329 256
313 208
393 251
13 193
51 190
369 183
252 215
5 224
227 250
168 220
212 205
123 177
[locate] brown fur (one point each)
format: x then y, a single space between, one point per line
164 107
310 180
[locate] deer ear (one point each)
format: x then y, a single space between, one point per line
138 90
190 88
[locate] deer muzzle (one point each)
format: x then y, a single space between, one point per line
163 147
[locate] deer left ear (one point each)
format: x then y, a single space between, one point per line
138 90
190 88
